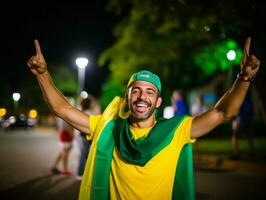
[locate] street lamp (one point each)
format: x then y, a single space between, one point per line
16 97
84 95
81 64
231 56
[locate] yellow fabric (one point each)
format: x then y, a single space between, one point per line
155 179
97 124
139 132
93 121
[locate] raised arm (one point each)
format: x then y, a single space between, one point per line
228 106
57 103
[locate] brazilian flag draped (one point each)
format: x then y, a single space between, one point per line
112 129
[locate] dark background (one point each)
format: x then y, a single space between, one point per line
65 31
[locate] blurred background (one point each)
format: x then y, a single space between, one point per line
93 48
194 46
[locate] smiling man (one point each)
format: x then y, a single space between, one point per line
133 154
143 95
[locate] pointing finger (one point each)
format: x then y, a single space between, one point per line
246 49
37 48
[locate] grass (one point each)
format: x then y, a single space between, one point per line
222 147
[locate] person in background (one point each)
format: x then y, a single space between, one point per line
179 103
90 106
66 136
197 108
242 125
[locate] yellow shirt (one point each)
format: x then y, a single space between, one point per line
154 180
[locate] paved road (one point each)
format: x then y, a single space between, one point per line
27 155
220 184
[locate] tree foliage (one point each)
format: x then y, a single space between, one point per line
181 40
65 79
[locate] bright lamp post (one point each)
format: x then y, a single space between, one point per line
231 56
81 64
16 97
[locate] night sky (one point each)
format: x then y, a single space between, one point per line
65 31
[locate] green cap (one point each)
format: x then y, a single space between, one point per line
147 76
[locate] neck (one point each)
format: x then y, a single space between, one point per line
136 123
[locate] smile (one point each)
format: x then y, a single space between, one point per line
141 105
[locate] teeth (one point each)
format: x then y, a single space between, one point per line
141 105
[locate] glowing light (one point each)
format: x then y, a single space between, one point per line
2 112
33 113
84 94
231 55
16 96
82 62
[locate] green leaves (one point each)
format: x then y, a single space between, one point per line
184 42
213 57
64 79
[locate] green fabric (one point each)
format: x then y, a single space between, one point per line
140 151
184 182
147 76
184 188
103 160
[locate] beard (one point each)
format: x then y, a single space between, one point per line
141 110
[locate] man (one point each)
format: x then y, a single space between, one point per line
134 156
179 103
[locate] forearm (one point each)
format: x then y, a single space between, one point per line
58 104
53 97
230 103
227 107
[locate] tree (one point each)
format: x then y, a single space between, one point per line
65 79
176 39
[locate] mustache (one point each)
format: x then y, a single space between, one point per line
142 101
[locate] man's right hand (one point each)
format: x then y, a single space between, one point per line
37 63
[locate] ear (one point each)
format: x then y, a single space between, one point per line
159 102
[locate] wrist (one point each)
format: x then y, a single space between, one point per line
42 75
245 78
43 68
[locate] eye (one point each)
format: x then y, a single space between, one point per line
135 91
151 92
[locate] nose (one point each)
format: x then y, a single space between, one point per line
142 95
